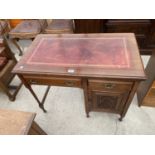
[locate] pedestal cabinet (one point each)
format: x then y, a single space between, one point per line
107 95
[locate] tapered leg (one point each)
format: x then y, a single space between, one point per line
85 89
121 118
28 86
128 102
41 105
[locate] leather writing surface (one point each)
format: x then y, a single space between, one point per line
93 55
100 52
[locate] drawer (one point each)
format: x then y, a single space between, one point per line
105 85
55 81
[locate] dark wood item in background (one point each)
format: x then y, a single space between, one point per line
88 25
146 90
107 67
59 26
143 29
18 123
27 29
4 26
6 76
3 62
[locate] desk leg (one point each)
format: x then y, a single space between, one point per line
85 89
28 86
41 104
129 100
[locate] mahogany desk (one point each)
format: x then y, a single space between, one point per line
107 67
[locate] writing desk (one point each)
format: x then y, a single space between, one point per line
107 67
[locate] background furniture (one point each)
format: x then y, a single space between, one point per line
107 67
143 29
18 123
4 26
6 76
58 26
27 29
14 22
88 25
146 90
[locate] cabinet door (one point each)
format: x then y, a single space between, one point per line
108 101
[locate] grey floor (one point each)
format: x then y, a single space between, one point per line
66 113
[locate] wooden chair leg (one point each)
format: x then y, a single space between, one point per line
16 88
5 89
14 41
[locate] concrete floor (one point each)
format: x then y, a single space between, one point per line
66 113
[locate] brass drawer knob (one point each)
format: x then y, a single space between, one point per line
109 85
69 83
33 82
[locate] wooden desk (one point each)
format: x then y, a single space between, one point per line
107 67
18 123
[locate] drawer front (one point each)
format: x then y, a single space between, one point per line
55 81
115 86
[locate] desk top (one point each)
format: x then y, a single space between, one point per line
93 55
15 122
